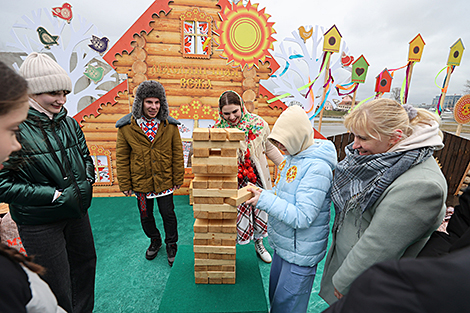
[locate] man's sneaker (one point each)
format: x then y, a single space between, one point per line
261 250
152 251
171 252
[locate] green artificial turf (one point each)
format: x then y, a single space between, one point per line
127 282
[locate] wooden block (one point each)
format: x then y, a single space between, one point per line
229 153
216 144
215 249
215 169
199 169
230 183
201 242
215 208
201 134
228 242
202 280
216 281
243 195
214 274
224 193
223 236
201 226
202 214
234 134
215 152
201 268
229 226
216 226
200 182
208 200
214 268
229 215
201 152
217 182
229 169
215 161
198 261
229 258
218 134
215 215
228 281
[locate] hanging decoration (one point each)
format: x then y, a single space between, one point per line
98 44
462 113
64 12
46 38
96 74
455 56
245 34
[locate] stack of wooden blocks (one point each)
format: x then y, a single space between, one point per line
215 201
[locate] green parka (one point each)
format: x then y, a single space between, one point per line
144 165
54 156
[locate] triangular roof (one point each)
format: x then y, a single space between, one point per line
384 71
455 44
333 27
418 37
363 58
142 24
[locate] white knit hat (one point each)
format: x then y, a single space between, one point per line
44 74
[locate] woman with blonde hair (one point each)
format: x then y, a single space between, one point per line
389 193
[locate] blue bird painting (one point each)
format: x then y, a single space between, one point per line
98 44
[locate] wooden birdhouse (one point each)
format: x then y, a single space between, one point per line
332 40
359 70
383 81
456 51
416 49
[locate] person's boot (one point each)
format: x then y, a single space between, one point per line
152 251
262 252
171 252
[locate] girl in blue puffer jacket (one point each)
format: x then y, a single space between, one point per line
298 209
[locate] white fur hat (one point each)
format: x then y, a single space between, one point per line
44 74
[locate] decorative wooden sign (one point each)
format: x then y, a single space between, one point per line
462 112
64 12
103 166
416 48
359 70
383 81
332 40
456 52
46 38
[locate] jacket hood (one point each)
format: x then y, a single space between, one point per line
320 149
424 135
293 130
150 89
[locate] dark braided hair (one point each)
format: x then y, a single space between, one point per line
15 256
14 89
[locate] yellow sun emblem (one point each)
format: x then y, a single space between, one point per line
245 34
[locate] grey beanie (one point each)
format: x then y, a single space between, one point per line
43 74
150 89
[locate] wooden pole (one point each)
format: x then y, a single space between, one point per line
327 70
408 80
353 102
443 93
459 129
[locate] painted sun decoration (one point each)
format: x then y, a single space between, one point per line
196 30
245 34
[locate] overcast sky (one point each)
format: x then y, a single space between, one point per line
379 29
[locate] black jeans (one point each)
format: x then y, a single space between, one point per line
67 250
167 211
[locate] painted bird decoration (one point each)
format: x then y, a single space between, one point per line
305 34
94 73
63 12
46 38
98 44
346 60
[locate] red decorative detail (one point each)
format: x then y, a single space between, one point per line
142 24
317 134
276 104
93 108
223 4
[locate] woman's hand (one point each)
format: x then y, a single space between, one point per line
127 193
338 294
256 193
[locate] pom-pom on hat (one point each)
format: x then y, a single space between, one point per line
43 74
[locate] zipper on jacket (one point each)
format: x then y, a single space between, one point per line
68 165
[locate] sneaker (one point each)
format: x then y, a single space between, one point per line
152 251
171 252
262 252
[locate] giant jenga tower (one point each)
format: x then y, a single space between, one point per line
215 201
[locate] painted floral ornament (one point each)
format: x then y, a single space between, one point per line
94 73
64 12
98 44
46 38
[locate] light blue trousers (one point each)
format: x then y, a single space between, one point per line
290 286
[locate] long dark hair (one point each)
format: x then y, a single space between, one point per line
14 88
15 256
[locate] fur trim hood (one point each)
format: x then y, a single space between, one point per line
150 89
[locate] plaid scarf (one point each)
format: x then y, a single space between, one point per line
149 127
361 179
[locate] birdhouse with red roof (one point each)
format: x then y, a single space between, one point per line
332 40
359 70
456 52
383 82
416 49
